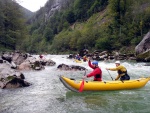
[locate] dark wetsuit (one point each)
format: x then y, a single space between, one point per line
124 75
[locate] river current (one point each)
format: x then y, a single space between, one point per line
48 95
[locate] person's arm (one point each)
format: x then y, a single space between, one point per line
90 65
91 74
94 72
117 77
114 69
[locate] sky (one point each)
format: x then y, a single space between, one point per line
32 5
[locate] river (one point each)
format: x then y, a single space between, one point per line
48 95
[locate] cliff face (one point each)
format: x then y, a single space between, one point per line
144 45
50 8
143 49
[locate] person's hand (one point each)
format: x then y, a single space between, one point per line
107 68
89 58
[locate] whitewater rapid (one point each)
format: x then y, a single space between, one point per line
48 95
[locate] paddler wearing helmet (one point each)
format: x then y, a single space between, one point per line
122 71
97 72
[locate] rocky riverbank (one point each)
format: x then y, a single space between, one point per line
13 63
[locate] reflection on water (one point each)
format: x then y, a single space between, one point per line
48 95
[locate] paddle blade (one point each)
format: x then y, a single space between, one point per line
81 86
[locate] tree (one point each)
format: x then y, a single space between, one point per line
48 34
70 17
12 24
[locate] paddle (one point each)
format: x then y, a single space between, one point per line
82 84
110 74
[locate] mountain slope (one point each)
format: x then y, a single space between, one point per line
97 24
12 25
27 13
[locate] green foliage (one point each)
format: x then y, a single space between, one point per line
70 16
119 27
61 42
48 34
104 44
75 10
75 35
98 5
12 27
83 9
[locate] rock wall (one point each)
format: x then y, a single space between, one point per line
142 50
144 45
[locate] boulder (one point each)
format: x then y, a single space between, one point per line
25 66
50 62
71 56
15 82
70 67
31 63
144 45
37 66
83 52
143 49
18 57
7 57
143 57
10 78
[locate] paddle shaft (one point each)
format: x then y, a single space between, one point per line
85 73
110 75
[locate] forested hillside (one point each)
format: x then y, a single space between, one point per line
46 24
96 24
12 25
71 25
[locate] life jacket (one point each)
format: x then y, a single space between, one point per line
124 76
97 75
122 73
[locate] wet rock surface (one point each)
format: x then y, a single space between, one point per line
143 49
11 78
70 67
11 65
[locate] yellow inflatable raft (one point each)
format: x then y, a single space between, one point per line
74 85
78 61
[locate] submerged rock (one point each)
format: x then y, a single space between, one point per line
70 67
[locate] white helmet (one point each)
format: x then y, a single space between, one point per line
117 62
